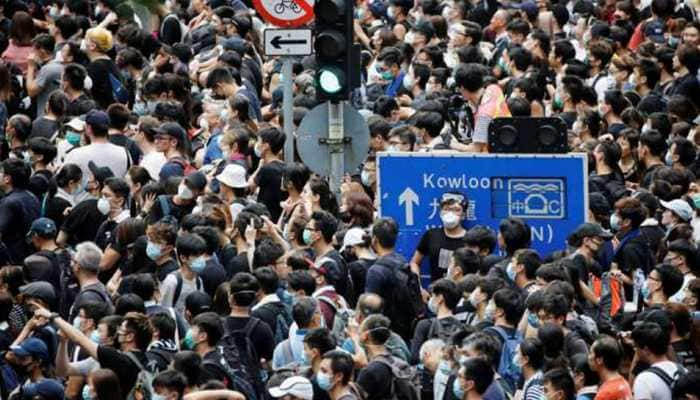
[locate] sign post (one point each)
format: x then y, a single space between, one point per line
335 144
287 109
549 192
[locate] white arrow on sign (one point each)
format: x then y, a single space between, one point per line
409 198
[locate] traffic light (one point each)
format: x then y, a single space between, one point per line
333 43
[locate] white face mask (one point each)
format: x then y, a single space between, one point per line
83 45
184 192
449 219
408 82
103 206
409 38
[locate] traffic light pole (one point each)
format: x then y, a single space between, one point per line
335 144
288 109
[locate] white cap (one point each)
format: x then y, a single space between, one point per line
76 124
680 208
296 386
233 176
353 237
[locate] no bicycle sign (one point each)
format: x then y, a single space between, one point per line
285 13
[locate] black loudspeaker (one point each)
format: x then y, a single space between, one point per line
528 135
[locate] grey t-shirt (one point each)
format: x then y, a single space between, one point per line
44 127
649 386
48 79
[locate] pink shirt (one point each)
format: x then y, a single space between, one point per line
17 55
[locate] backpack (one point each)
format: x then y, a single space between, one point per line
232 379
405 381
178 287
443 329
119 91
510 345
143 388
406 301
282 322
187 167
238 351
670 381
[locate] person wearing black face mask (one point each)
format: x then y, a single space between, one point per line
28 359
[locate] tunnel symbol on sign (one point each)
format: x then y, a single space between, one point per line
536 198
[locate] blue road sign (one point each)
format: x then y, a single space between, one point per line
549 192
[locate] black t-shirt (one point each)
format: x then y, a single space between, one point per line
44 127
438 248
358 273
122 365
374 379
269 179
55 208
649 174
261 335
83 221
40 184
212 276
106 234
80 105
99 71
239 263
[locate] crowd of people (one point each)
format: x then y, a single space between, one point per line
156 243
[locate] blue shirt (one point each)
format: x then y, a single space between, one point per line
393 88
213 152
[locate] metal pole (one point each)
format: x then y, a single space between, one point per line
335 141
287 109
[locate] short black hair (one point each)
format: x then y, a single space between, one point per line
320 339
44 41
671 279
66 25
431 121
75 75
325 223
210 236
119 187
607 348
470 77
384 106
689 56
243 288
466 260
556 305
302 280
616 100
303 311
512 304
386 231
482 237
165 324
515 233
171 380
341 363
18 171
479 371
43 147
448 290
219 75
654 141
190 244
565 50
274 137
561 379
210 322
267 253
267 278
685 149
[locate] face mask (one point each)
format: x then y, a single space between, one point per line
516 364
444 367
103 206
198 264
696 200
73 138
392 148
510 270
257 150
184 192
305 359
156 396
533 321
474 299
490 310
673 41
391 13
153 250
83 46
224 115
204 124
324 381
409 38
151 106
387 75
95 336
306 236
140 108
98 10
86 393
54 12
457 389
76 323
188 341
432 305
449 219
615 222
646 292
408 82
669 159
364 177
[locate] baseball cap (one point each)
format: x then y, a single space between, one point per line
76 124
172 129
101 174
198 302
591 230
680 207
41 290
353 237
529 7
47 389
101 37
32 347
233 176
44 227
196 181
296 386
97 117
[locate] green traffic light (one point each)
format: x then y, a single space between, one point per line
331 80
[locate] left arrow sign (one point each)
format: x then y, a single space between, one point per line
277 42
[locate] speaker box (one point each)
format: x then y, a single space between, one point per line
528 135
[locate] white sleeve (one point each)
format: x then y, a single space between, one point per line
167 290
642 389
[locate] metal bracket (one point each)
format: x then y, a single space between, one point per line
330 142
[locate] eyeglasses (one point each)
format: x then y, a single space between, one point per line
654 278
124 332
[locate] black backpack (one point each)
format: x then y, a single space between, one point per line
231 378
69 287
405 381
238 350
406 301
443 329
283 319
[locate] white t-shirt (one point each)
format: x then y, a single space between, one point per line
649 386
167 291
680 294
103 155
153 162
